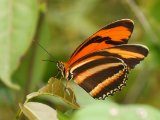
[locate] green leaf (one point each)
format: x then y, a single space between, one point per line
62 116
56 88
18 22
111 111
38 111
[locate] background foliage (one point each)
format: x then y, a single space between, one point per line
60 26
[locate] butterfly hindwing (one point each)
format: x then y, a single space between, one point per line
131 54
100 77
116 33
103 72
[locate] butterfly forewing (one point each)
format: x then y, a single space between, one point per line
100 77
114 34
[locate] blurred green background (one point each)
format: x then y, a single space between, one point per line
60 26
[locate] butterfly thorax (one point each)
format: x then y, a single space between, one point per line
63 67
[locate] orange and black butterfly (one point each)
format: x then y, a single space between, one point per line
101 63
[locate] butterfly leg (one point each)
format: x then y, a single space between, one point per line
66 88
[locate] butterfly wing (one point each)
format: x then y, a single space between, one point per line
114 34
102 76
104 72
131 54
101 63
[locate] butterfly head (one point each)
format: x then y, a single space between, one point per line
63 67
60 66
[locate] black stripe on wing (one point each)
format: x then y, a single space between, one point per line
131 54
114 86
93 64
101 77
116 33
123 22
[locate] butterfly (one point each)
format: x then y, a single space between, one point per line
100 65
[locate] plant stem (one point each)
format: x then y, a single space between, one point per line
33 54
143 20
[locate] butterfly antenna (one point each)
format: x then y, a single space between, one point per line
46 52
49 60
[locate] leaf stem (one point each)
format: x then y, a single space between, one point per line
19 112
